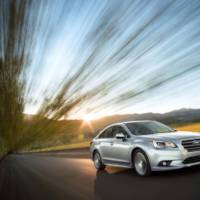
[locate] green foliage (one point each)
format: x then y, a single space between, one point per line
12 62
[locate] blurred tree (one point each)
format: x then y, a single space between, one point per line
13 56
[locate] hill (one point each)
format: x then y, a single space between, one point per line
176 117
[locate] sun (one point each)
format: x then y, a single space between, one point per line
87 118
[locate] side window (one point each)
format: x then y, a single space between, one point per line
122 130
110 133
107 133
119 129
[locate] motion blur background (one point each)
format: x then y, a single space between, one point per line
70 67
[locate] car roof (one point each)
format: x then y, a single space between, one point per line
126 122
139 121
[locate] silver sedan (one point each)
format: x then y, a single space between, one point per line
145 146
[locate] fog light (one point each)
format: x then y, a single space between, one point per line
165 163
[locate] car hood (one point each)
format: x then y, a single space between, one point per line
178 135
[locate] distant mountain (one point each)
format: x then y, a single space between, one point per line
176 117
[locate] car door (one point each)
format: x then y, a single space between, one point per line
105 141
120 148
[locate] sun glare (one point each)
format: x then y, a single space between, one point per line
87 118
92 116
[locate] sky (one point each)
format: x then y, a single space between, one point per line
143 54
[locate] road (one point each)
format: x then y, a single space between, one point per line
68 177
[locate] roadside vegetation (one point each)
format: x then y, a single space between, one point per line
12 61
194 127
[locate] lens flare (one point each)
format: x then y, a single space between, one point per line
87 118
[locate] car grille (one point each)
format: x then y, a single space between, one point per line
191 145
192 160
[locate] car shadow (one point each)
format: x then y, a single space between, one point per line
125 184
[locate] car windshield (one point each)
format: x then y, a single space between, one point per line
146 128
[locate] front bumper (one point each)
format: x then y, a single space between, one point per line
174 165
175 156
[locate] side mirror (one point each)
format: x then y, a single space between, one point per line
120 136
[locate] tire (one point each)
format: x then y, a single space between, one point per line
141 163
98 161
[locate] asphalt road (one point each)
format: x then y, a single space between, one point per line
68 177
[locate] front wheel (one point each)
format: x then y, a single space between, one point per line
141 163
98 162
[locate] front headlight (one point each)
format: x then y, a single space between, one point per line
163 144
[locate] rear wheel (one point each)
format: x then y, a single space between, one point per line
141 163
98 162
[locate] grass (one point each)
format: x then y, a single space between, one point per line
64 147
195 127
